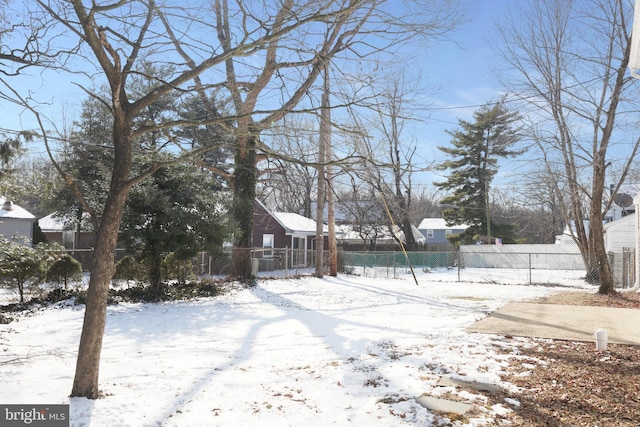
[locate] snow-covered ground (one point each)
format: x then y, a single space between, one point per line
314 352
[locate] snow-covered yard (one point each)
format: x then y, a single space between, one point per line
335 351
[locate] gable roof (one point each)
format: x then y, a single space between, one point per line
439 224
294 223
14 211
51 223
56 223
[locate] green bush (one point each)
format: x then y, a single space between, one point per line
129 268
65 269
22 266
174 268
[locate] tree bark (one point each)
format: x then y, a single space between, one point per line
155 273
85 383
244 194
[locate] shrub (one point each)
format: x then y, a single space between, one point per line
128 268
174 268
64 269
22 266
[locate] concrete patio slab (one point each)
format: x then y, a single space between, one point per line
563 322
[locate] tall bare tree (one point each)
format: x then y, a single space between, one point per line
568 64
289 186
316 34
264 56
388 153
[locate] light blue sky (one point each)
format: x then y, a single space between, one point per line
461 68
464 70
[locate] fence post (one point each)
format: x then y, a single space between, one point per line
286 261
459 256
529 267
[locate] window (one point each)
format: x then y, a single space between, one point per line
429 234
267 245
448 231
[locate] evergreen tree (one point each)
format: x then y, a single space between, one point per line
11 149
217 160
477 147
180 211
65 269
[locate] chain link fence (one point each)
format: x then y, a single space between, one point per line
501 264
487 266
466 264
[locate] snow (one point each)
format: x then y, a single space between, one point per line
340 351
16 212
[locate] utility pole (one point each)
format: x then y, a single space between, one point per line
486 191
326 129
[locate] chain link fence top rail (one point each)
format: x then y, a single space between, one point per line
470 262
475 263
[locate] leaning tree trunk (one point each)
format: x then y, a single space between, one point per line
103 267
85 383
599 258
244 194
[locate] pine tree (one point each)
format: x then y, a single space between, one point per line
477 147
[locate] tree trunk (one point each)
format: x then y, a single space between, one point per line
103 266
319 272
21 290
85 383
599 264
244 195
155 274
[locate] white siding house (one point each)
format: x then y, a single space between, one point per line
15 220
620 234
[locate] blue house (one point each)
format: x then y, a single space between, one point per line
436 230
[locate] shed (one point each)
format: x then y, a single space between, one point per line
63 230
620 234
15 220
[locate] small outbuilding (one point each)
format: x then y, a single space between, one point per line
64 230
15 220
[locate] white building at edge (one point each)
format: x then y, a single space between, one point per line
15 220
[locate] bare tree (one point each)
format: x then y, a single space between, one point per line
248 51
321 34
289 186
389 157
570 62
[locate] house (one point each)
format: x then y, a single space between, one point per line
63 230
620 242
620 234
15 220
280 230
436 230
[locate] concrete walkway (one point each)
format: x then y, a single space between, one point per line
563 322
